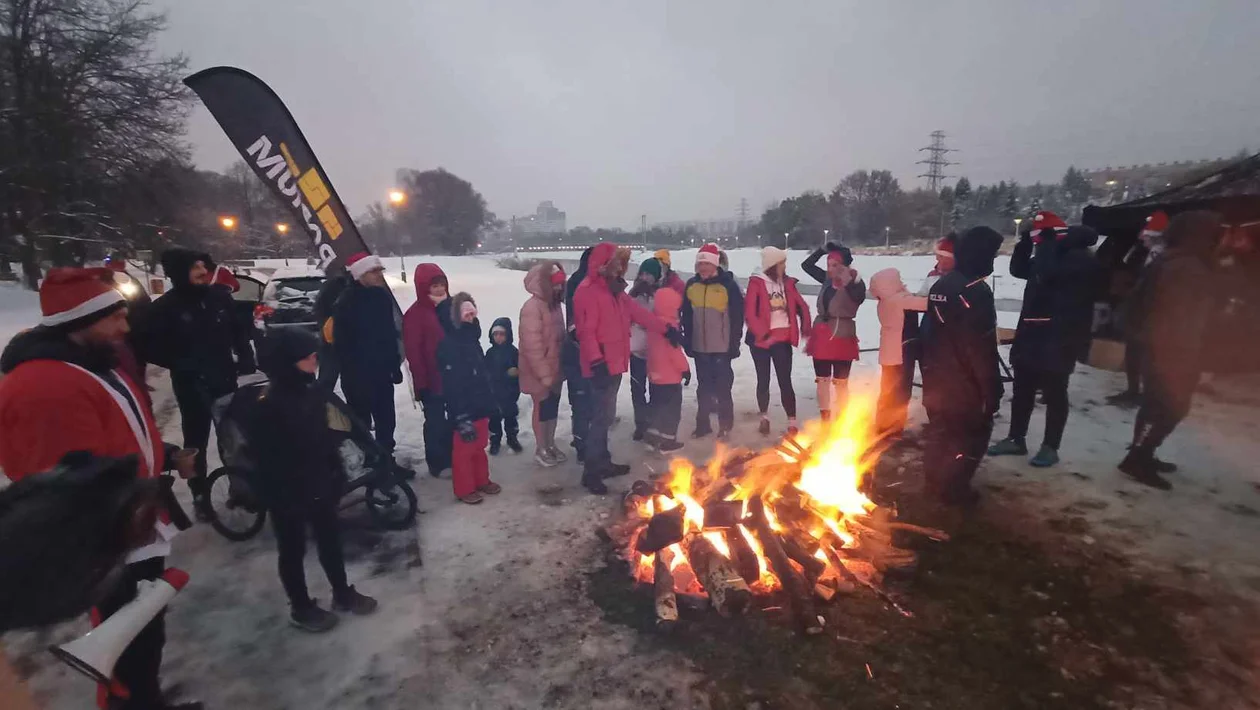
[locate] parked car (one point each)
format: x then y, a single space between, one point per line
286 300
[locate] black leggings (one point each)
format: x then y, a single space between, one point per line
780 354
835 369
1054 386
290 528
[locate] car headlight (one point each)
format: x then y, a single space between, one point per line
129 290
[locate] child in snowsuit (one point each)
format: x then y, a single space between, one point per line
898 318
469 401
668 371
299 474
503 366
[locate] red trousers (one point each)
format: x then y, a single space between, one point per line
470 468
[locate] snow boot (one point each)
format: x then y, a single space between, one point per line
613 470
495 447
592 483
401 471
1045 458
1140 466
313 619
1164 466
764 427
514 444
1009 447
352 602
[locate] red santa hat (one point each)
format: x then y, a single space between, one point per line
709 254
557 276
361 263
1046 220
1155 224
945 247
77 298
223 276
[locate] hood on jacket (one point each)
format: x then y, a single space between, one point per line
458 327
504 323
1197 233
42 343
177 262
281 350
601 255
424 276
886 283
975 252
667 304
1080 237
538 280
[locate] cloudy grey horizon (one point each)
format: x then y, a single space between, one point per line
678 110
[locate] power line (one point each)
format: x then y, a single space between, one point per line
936 161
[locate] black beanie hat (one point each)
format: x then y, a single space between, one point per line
282 348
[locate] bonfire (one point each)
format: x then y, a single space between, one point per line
791 521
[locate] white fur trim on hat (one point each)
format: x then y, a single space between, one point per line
98 302
708 257
364 265
771 256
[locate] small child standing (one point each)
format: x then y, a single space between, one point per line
645 283
503 366
469 401
898 325
668 371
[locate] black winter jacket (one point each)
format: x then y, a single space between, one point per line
503 367
297 458
570 289
1058 311
329 294
465 380
192 330
959 334
365 333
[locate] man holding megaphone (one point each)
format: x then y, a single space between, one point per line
62 392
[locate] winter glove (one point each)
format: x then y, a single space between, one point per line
397 377
467 430
673 336
686 378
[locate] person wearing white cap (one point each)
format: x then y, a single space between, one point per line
365 335
777 316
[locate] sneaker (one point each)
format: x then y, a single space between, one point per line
615 469
702 430
491 489
593 484
668 445
545 459
514 444
764 427
1045 458
651 439
313 619
1141 468
495 447
352 602
1165 466
557 455
1009 447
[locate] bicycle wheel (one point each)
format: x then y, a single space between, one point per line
235 511
391 503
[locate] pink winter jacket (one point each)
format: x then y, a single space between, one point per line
603 318
666 363
541 333
894 300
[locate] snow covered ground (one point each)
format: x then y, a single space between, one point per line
497 616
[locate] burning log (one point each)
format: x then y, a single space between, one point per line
728 592
664 529
801 604
723 514
797 553
743 556
663 588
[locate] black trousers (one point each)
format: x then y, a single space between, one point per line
603 410
639 393
1165 402
579 393
780 355
290 528
504 423
896 383
955 447
194 399
437 433
714 379
1133 364
329 366
139 666
371 396
1054 386
666 409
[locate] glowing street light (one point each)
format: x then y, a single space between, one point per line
227 222
397 197
1017 221
282 228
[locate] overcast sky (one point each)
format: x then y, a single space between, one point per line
678 109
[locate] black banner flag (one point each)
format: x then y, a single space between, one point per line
263 130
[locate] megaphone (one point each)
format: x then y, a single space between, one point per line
95 653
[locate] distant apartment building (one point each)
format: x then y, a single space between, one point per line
709 229
545 220
1129 182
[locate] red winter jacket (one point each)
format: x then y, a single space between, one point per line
757 310
423 332
603 317
675 282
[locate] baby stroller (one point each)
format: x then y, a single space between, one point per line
237 513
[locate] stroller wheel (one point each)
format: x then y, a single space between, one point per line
235 511
391 503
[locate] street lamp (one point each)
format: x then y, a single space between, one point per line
282 228
785 240
227 222
887 238
397 197
825 233
1017 221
